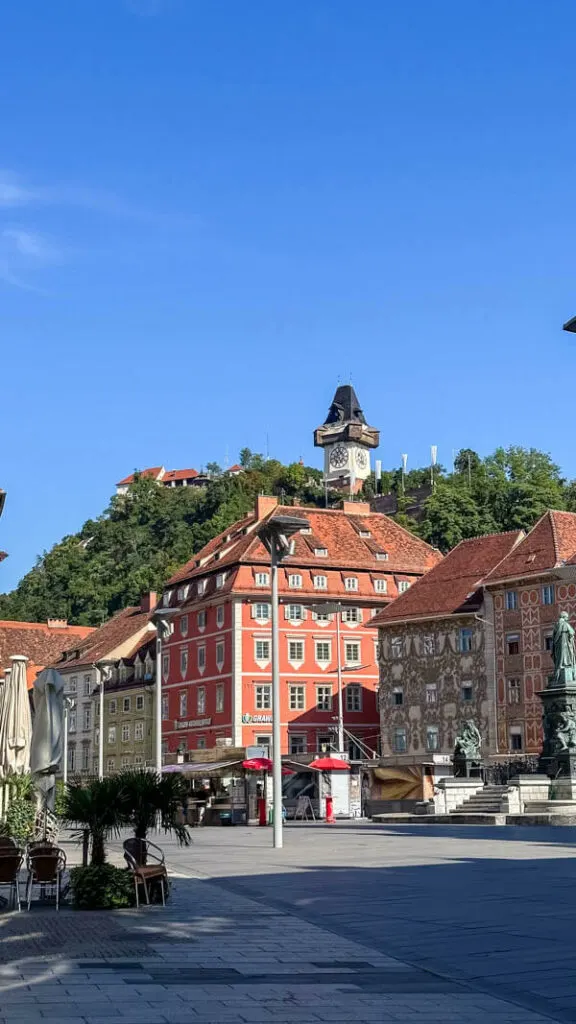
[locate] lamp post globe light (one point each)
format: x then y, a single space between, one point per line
162 620
69 705
275 534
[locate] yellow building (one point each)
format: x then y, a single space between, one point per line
129 710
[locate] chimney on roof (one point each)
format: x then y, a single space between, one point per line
356 508
264 504
57 623
148 601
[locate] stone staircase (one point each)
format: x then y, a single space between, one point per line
492 801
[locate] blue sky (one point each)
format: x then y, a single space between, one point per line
212 212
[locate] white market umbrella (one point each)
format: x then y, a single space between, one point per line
15 721
47 735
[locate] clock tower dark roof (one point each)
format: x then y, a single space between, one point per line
346 422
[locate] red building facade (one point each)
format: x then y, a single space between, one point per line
216 663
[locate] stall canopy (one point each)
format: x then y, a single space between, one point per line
330 764
202 767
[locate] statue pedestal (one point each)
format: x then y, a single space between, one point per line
558 757
465 767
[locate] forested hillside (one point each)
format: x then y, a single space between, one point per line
143 536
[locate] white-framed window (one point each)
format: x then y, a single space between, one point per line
220 580
183 661
201 655
381 586
72 720
262 696
516 738
512 643
466 691
296 697
431 693
111 765
86 719
429 645
201 587
264 741
262 579
126 732
514 691
220 616
321 552
72 759
201 620
184 625
262 650
73 684
85 758
87 685
111 734
122 672
321 616
511 600
320 582
182 593
294 580
403 585
324 742
353 697
138 668
295 650
432 737
352 652
262 610
466 638
364 533
297 743
148 666
201 700
324 698
548 597
323 651
399 741
139 730
126 704
126 761
397 646
381 556
351 615
397 696
165 705
351 583
200 743
140 702
165 665
112 706
183 704
294 612
219 654
219 700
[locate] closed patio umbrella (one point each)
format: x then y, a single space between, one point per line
15 721
47 733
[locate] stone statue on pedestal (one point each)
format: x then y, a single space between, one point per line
467 748
563 652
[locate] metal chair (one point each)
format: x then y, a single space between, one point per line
46 865
10 865
147 864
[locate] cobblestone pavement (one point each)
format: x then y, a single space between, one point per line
217 955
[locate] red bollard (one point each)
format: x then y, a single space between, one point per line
262 811
330 819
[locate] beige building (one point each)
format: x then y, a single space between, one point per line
129 709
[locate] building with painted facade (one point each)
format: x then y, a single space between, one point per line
129 726
216 663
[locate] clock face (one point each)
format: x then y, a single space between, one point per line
361 458
339 456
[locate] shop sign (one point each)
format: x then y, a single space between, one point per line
194 723
256 719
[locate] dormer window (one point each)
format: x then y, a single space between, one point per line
220 580
201 587
364 533
262 579
167 597
382 556
182 593
306 529
351 583
321 552
295 581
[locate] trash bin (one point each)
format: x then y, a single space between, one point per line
226 817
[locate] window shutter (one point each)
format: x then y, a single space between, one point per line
304 612
286 607
253 608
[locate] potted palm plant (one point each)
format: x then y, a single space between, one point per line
98 807
148 801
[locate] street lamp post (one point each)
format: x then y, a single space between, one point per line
104 670
161 621
69 704
335 608
275 534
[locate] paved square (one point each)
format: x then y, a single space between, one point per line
346 923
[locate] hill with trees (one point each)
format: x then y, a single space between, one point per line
145 535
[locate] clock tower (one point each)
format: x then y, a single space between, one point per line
346 439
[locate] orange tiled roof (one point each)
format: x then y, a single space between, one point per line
40 643
102 641
452 586
180 474
153 471
549 544
337 531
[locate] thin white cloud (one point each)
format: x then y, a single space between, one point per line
28 244
22 252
